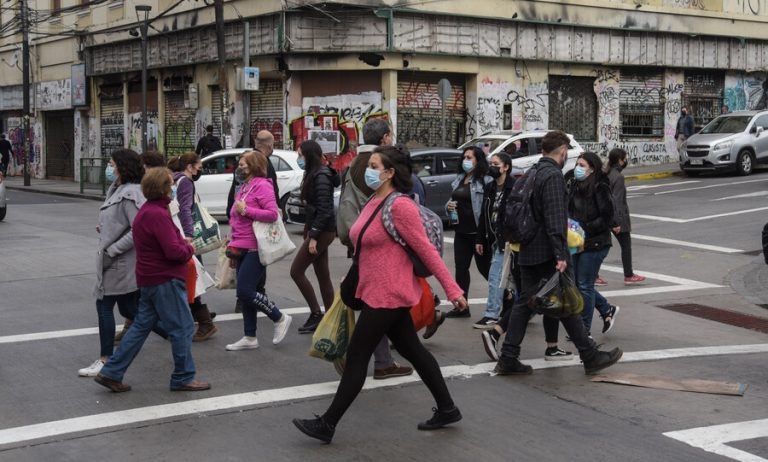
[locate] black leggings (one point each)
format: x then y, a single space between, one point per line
319 261
372 325
463 251
625 241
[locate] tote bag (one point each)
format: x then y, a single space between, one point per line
274 243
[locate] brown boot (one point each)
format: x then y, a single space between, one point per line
205 326
119 335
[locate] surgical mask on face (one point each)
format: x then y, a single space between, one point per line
467 165
580 173
109 173
197 175
240 175
372 178
173 192
302 163
494 171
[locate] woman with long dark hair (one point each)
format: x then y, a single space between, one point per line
389 288
617 161
319 231
464 209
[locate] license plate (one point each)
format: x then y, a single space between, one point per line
697 161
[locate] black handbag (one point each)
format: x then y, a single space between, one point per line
348 287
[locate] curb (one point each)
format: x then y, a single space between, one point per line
652 176
32 189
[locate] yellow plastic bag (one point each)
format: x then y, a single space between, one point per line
331 338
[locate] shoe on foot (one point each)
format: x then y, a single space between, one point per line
281 328
511 366
395 370
92 370
490 339
245 343
557 354
601 360
432 328
610 319
456 313
316 428
204 332
311 324
114 385
119 336
600 282
634 279
440 419
485 323
195 385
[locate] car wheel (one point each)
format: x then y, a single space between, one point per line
284 207
2 213
744 163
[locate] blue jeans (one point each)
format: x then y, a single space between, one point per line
586 266
601 304
495 293
166 302
249 278
127 305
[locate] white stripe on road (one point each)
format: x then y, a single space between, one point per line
690 220
665 278
720 185
15 436
715 438
741 196
663 185
695 245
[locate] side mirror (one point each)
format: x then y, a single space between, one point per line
753 129
758 131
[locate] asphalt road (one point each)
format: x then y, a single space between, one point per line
695 239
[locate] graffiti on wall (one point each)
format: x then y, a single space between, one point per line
529 107
686 4
154 134
745 91
672 106
488 116
56 94
748 7
15 136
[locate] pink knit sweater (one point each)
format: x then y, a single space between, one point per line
386 271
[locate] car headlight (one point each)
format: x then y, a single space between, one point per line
726 145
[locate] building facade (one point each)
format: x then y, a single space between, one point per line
611 72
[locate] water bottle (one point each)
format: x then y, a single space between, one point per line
453 216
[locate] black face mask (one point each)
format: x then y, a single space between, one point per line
240 175
683 113
494 172
620 167
197 175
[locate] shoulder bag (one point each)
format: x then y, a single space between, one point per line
272 238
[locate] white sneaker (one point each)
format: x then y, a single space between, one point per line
281 328
92 370
245 343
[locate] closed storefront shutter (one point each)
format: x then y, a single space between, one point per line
641 104
216 112
179 125
419 121
267 110
112 119
573 106
703 96
59 141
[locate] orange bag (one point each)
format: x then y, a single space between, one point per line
191 280
423 313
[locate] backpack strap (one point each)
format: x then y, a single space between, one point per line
386 217
356 256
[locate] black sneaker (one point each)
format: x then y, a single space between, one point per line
556 354
490 339
316 428
440 419
455 313
485 323
601 360
512 366
311 324
610 319
432 328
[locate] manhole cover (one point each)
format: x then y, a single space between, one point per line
732 318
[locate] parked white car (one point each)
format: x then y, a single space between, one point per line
524 147
218 173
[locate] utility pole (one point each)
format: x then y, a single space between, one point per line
246 95
143 10
25 87
223 85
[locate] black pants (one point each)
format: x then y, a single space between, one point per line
319 262
519 314
463 251
625 241
372 325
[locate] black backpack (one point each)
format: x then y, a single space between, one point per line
520 225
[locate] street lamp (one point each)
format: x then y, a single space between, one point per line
142 13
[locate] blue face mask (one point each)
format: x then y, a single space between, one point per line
173 192
580 173
467 165
372 179
109 173
302 163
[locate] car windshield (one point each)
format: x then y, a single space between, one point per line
493 143
727 124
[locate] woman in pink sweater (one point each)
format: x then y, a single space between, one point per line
255 201
389 288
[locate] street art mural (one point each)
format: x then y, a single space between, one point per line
745 91
16 138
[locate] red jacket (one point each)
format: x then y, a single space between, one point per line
161 252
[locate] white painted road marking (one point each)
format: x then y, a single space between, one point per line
691 220
16 436
715 438
650 186
719 185
664 240
741 196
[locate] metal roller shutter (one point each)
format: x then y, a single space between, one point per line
641 104
573 106
216 112
112 120
179 125
419 120
703 96
267 110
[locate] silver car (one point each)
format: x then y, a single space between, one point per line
731 142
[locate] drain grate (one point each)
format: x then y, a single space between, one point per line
746 321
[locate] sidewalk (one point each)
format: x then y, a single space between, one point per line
72 188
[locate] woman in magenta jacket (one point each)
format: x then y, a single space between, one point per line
255 201
385 265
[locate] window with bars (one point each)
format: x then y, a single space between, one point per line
573 106
641 105
703 96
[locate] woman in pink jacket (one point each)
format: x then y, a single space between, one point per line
255 201
384 266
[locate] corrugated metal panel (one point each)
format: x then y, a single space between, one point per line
573 106
641 104
112 119
179 125
419 120
216 111
267 110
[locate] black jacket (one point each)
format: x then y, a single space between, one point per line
550 208
489 232
594 212
207 145
320 213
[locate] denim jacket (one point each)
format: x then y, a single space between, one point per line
477 189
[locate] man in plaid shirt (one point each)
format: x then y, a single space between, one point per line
546 253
